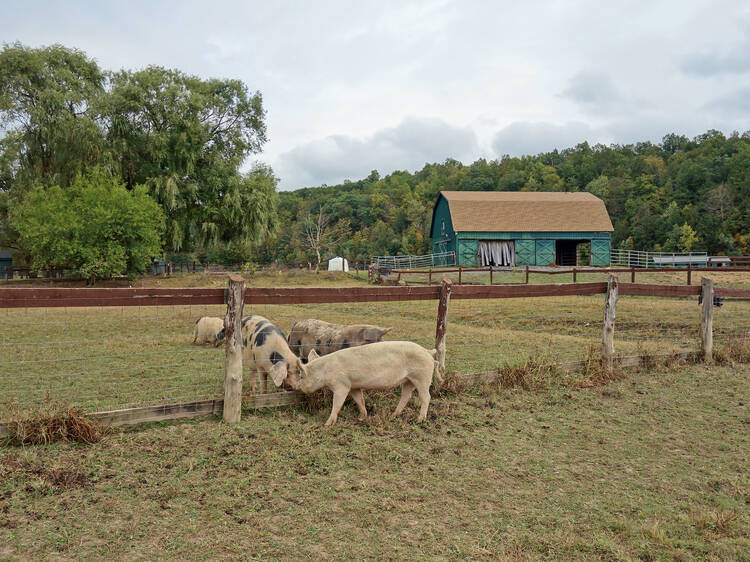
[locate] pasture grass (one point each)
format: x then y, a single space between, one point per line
652 466
106 358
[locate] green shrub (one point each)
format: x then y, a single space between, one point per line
96 227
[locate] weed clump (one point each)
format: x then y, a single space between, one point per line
452 385
599 370
51 423
736 350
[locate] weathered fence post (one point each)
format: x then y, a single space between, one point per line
688 275
490 275
442 323
429 277
527 274
632 275
574 275
459 274
610 309
233 336
707 319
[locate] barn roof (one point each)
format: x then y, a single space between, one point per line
517 211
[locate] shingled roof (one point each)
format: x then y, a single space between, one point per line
516 211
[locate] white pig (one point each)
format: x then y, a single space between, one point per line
379 366
209 329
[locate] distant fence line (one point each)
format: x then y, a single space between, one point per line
412 262
425 276
237 295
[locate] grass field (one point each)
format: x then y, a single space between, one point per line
105 358
651 467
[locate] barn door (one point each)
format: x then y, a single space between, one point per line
467 252
525 252
600 252
545 252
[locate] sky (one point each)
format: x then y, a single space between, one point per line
351 87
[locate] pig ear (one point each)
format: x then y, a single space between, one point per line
312 355
278 373
384 331
301 367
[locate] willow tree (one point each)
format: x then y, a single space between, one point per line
49 123
185 138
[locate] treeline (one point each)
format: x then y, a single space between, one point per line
103 170
679 195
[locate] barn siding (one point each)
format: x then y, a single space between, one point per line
442 241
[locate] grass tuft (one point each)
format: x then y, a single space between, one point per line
737 350
719 521
51 423
453 384
598 371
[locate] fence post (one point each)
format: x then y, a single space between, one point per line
574 275
688 275
527 274
490 275
632 275
429 277
707 319
459 274
233 336
442 323
610 308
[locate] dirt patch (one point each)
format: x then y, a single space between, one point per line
55 476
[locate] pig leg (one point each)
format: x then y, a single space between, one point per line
339 395
406 389
359 400
423 387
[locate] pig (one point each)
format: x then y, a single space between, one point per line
265 349
379 365
326 338
209 329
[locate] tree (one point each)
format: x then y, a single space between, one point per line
49 128
185 139
96 226
321 236
720 202
688 238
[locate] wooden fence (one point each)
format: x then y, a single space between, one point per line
236 295
425 276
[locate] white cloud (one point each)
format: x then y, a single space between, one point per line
524 137
408 146
501 76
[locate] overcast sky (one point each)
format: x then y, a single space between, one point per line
354 86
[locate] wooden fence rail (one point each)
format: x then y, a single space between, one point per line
63 297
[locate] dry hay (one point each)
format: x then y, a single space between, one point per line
50 423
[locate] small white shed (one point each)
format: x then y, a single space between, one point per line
338 264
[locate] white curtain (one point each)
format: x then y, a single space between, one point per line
497 253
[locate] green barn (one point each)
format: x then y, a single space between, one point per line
521 228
